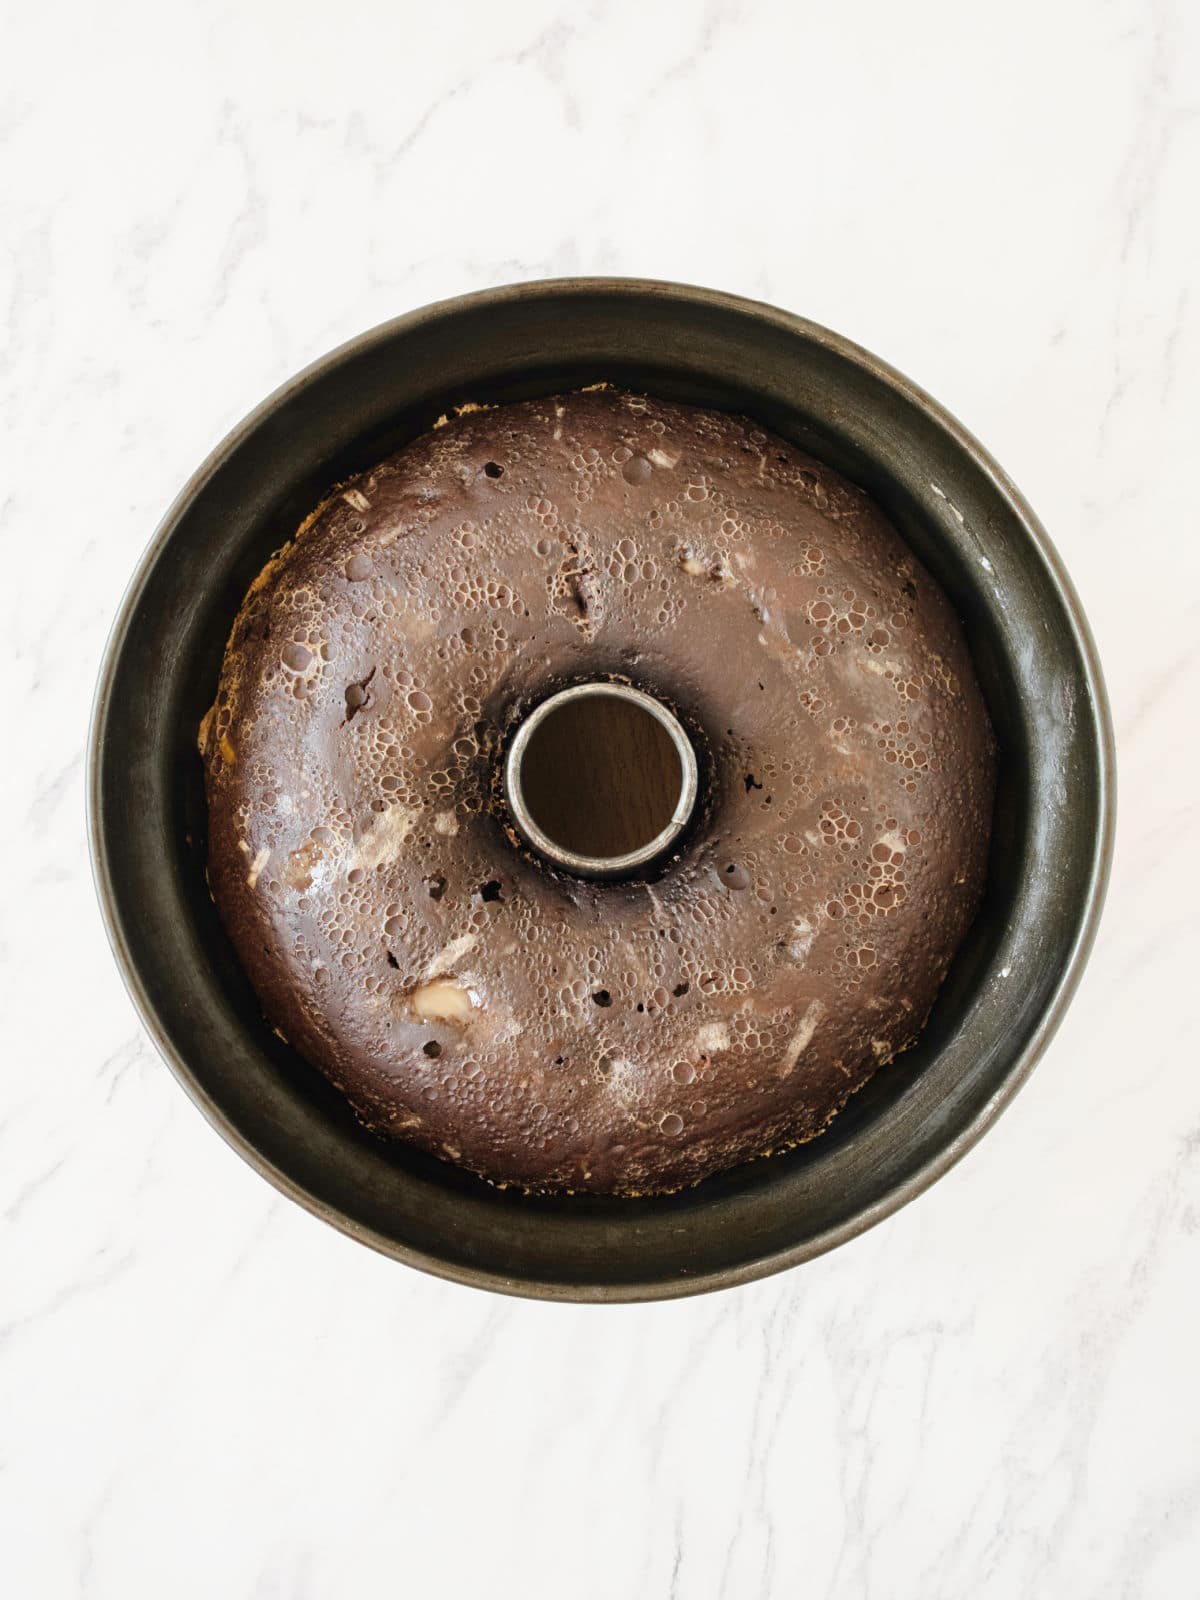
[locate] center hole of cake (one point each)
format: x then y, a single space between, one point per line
601 779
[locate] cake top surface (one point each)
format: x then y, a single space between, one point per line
539 1027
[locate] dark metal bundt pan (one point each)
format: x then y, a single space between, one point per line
966 522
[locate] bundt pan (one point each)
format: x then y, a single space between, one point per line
965 521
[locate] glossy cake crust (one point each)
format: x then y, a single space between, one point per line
550 1031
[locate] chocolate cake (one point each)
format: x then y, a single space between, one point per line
465 990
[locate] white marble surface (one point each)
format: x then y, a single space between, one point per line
205 1392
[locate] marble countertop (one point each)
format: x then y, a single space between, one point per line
203 1390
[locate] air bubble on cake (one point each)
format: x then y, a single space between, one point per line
622 562
543 509
420 705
